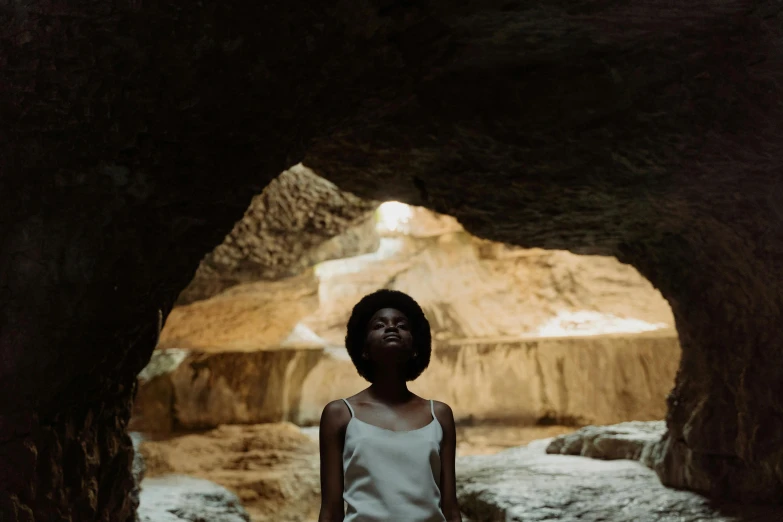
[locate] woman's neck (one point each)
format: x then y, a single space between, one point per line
389 391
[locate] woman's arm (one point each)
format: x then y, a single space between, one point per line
331 437
448 452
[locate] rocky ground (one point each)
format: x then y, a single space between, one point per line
272 469
179 498
527 484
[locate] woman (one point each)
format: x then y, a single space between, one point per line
386 452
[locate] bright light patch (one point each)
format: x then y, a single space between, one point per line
593 323
393 216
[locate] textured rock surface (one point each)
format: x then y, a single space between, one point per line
527 485
640 130
178 498
627 440
272 468
138 468
79 467
246 317
207 390
290 226
596 379
472 288
468 287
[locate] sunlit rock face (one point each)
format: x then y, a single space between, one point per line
203 390
246 317
477 289
492 308
567 380
570 380
138 134
470 289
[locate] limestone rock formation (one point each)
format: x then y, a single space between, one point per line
179 498
470 288
477 289
628 440
527 485
271 468
588 380
206 390
135 134
246 317
572 380
299 219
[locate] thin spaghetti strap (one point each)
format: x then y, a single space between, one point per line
349 406
432 409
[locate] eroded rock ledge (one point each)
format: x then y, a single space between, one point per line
628 440
581 380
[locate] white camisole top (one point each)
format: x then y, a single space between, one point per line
392 475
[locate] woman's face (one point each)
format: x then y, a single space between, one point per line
389 338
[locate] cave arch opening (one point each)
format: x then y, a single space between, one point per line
528 343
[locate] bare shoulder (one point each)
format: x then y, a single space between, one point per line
443 413
335 416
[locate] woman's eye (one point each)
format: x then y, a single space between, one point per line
403 325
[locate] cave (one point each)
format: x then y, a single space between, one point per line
135 136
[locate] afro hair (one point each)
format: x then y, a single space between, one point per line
356 336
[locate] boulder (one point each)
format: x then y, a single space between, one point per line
526 484
628 440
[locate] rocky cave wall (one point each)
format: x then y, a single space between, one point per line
135 136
